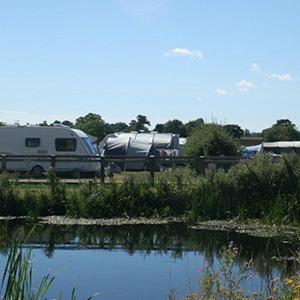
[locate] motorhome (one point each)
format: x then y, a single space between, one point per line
47 140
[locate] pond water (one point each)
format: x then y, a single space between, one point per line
140 261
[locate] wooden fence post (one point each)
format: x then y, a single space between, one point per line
102 169
152 170
173 159
200 165
4 166
53 164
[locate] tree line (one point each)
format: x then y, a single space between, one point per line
93 124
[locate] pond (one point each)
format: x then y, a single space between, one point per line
140 261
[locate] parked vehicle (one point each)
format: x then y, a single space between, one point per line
47 140
280 148
139 145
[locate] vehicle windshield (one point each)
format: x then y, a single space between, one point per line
88 146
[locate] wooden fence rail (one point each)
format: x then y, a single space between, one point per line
151 162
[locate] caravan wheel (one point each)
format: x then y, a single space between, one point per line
37 172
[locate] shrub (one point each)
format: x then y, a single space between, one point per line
210 140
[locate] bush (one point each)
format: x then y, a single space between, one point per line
210 140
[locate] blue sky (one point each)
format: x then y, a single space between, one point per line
230 61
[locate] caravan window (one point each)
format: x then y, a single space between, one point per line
32 142
65 144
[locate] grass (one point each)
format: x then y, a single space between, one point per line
261 188
228 282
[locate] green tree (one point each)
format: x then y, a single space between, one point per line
189 126
283 130
210 140
175 126
140 124
67 123
116 127
160 128
91 124
234 130
2 124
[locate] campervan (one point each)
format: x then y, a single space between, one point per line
47 140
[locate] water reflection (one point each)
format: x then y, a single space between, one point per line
175 239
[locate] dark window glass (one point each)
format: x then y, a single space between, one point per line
32 142
67 144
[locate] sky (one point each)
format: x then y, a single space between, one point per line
227 61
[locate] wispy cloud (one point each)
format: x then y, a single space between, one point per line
255 67
221 92
184 52
282 77
244 85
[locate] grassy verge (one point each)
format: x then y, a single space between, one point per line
257 189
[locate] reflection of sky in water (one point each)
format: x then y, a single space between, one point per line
147 274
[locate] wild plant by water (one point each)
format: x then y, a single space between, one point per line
228 282
260 188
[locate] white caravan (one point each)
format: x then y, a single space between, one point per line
47 140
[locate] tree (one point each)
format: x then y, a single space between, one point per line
140 124
160 128
234 130
67 123
2 124
210 140
283 130
116 127
175 126
91 124
189 126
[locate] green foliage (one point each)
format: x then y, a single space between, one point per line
189 126
9 197
175 126
140 124
228 283
210 140
283 130
234 130
159 128
260 188
91 124
116 127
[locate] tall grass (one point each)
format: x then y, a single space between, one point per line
261 188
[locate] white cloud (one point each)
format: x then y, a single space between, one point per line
221 92
255 67
244 85
195 54
282 77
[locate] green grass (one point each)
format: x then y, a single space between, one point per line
261 188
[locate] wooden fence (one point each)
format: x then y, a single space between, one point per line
151 162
